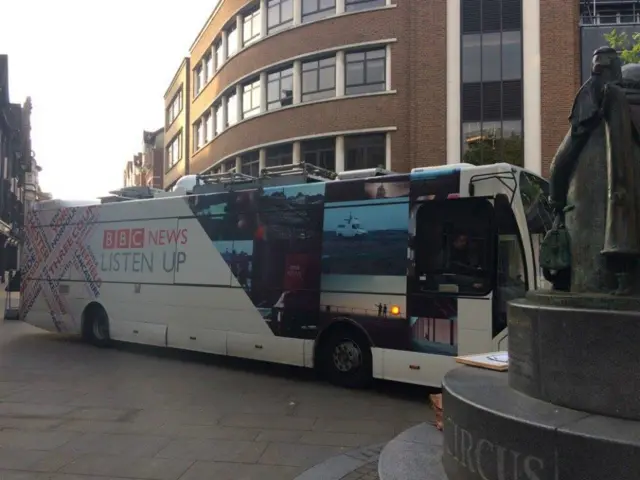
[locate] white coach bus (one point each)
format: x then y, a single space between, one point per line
261 268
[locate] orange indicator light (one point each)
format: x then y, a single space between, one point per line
395 310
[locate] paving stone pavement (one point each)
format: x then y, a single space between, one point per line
69 411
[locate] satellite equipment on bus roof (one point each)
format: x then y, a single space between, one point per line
364 173
132 193
280 175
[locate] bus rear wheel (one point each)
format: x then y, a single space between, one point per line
345 358
95 326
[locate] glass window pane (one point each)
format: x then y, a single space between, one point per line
325 4
471 58
312 65
273 16
286 10
309 81
355 73
273 91
375 71
287 83
511 56
491 53
355 57
327 78
328 62
376 54
309 6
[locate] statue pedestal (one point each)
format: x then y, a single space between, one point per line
566 409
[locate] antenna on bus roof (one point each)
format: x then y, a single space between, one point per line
279 175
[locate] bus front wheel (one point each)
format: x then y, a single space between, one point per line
345 357
95 326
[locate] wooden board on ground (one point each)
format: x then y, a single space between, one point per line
498 361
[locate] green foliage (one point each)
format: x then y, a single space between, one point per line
628 48
494 149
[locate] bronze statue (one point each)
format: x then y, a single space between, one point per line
595 176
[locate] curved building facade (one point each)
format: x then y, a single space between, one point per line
352 84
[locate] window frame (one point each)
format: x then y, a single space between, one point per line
219 54
227 98
281 25
253 86
252 15
250 159
271 103
175 107
318 13
173 151
218 124
319 93
314 147
364 147
359 5
232 46
364 63
278 152
490 238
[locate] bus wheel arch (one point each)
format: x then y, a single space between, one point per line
95 325
342 353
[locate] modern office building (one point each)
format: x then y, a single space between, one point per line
351 84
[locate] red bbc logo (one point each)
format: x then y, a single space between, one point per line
123 238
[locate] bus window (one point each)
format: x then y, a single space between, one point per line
453 246
511 274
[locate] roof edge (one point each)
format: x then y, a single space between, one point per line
207 23
175 76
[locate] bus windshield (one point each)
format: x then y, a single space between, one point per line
534 192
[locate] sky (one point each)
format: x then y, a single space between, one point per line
96 73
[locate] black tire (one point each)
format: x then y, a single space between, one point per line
95 328
345 358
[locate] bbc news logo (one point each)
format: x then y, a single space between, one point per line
123 238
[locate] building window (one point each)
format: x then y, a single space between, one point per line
207 69
219 113
321 153
251 99
317 9
366 71
280 155
232 40
208 129
251 29
491 106
232 109
229 165
279 14
250 164
174 151
319 79
198 79
365 151
217 46
280 88
175 107
353 5
198 134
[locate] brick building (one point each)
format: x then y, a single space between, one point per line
18 169
146 168
349 84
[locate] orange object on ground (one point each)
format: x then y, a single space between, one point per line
436 403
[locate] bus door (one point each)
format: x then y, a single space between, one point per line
451 274
511 271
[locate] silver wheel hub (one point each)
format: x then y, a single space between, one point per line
99 330
347 356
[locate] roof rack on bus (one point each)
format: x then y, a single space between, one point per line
279 175
364 173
